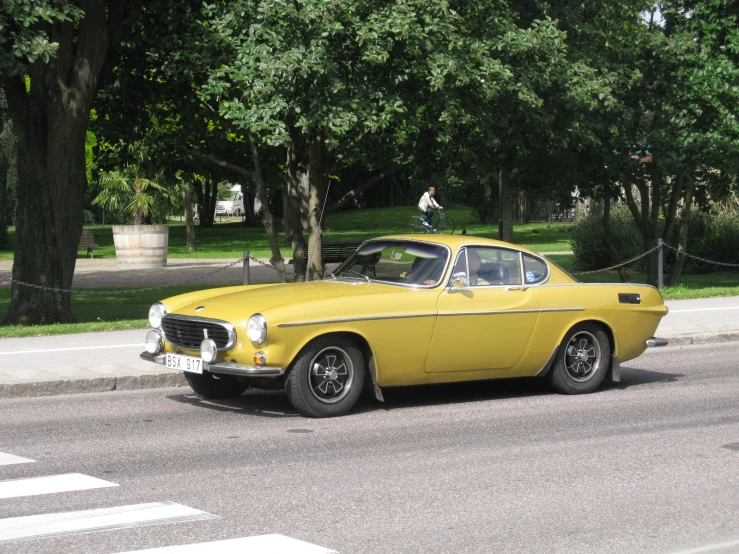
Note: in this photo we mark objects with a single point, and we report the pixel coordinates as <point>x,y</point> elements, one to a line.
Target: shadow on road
<point>274,404</point>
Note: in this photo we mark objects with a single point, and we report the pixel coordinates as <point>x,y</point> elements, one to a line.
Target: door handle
<point>516,288</point>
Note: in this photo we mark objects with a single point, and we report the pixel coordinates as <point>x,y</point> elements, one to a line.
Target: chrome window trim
<point>579,284</point>
<point>230,329</point>
<point>404,285</point>
<point>490,247</point>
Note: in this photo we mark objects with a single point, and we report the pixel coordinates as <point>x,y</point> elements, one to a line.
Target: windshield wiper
<point>356,274</point>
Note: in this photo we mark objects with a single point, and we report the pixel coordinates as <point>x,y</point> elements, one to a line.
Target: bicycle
<point>443,224</point>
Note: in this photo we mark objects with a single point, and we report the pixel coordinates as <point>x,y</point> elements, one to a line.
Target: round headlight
<point>156,313</point>
<point>256,328</point>
<point>208,350</point>
<point>153,342</point>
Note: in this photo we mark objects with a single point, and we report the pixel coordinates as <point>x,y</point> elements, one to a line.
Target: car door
<point>488,323</point>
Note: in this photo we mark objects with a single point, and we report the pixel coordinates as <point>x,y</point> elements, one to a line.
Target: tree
<point>51,60</point>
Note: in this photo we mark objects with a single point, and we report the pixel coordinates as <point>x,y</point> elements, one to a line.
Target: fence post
<point>660,263</point>
<point>246,267</point>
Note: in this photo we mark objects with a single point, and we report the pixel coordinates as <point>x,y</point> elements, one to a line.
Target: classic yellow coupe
<point>405,310</point>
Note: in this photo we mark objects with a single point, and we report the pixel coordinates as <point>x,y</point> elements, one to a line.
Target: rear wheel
<point>582,360</point>
<point>215,387</point>
<point>415,225</point>
<point>327,378</point>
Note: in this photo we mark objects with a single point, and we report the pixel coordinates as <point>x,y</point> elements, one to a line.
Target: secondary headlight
<point>208,350</point>
<point>153,342</point>
<point>256,328</point>
<point>156,313</point>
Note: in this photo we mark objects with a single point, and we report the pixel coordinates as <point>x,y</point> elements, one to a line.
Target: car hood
<point>261,298</point>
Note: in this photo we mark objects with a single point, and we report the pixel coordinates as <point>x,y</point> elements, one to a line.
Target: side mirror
<point>459,281</point>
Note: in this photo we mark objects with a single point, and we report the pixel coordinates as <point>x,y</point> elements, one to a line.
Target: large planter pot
<point>141,246</point>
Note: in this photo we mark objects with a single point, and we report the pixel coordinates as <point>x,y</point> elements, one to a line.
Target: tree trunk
<point>276,260</point>
<point>677,267</point>
<point>317,179</point>
<point>207,193</point>
<point>51,120</point>
<point>189,223</point>
<point>509,199</point>
<point>8,158</point>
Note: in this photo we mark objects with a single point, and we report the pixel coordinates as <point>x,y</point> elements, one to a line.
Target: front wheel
<point>582,360</point>
<point>445,225</point>
<point>327,378</point>
<point>215,387</point>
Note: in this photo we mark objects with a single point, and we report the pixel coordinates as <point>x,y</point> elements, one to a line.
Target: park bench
<point>336,252</point>
<point>87,242</point>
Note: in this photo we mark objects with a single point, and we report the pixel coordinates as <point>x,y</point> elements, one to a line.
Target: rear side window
<point>535,270</point>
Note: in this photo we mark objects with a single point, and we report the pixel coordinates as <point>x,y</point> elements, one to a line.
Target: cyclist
<point>428,205</point>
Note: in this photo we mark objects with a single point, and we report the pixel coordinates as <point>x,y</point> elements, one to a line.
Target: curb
<point>703,338</point>
<point>97,384</point>
<point>176,379</point>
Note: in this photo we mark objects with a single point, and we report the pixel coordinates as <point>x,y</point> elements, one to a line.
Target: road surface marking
<point>76,348</point>
<point>34,486</point>
<point>704,309</point>
<point>724,547</point>
<point>9,459</point>
<point>261,544</point>
<point>102,519</point>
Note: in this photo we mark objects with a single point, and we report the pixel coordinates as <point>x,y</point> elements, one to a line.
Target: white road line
<point>720,548</point>
<point>102,519</point>
<point>9,459</point>
<point>34,486</point>
<point>704,309</point>
<point>262,544</point>
<point>76,348</point>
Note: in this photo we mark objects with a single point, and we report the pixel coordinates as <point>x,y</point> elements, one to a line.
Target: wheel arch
<point>600,323</point>
<point>360,341</point>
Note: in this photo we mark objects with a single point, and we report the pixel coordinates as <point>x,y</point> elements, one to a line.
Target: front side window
<point>401,262</point>
<point>493,266</point>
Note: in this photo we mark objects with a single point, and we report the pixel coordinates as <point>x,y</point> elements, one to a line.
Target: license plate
<point>184,363</point>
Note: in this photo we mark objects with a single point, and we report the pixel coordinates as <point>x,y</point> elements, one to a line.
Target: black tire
<point>327,377</point>
<point>215,387</point>
<point>415,225</point>
<point>581,361</point>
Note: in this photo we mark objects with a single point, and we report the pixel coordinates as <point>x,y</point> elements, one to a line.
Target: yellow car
<point>405,310</point>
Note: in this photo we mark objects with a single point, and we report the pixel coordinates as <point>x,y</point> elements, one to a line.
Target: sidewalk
<point>97,362</point>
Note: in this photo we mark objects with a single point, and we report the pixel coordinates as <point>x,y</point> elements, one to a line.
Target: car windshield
<point>402,262</point>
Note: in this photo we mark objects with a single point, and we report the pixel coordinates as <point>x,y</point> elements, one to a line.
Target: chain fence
<point>138,290</point>
<point>626,263</point>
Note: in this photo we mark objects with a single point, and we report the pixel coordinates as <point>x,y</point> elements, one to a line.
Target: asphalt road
<point>650,465</point>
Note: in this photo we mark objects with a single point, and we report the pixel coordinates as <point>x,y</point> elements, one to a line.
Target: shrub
<point>88,218</point>
<point>589,240</point>
<point>714,236</point>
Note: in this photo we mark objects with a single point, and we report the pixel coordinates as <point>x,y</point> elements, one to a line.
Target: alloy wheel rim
<point>331,375</point>
<point>582,356</point>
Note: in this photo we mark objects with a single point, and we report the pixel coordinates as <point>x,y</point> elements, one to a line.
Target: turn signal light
<point>260,359</point>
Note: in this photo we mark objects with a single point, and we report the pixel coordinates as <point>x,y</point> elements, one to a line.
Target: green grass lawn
<point>690,286</point>
<point>229,239</point>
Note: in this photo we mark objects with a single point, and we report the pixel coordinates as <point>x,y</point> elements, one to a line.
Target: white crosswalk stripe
<point>9,459</point>
<point>261,544</point>
<point>102,519</point>
<point>49,484</point>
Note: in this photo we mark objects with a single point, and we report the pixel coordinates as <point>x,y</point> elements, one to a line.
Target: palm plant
<point>129,189</point>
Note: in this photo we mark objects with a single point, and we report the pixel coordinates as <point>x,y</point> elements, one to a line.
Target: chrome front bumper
<point>225,368</point>
<point>654,341</point>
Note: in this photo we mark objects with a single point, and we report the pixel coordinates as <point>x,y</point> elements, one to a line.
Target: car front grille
<point>188,332</point>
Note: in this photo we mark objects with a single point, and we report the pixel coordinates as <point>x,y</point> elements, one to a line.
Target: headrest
<point>494,273</point>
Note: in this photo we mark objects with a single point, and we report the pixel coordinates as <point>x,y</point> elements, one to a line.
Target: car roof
<point>457,241</point>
